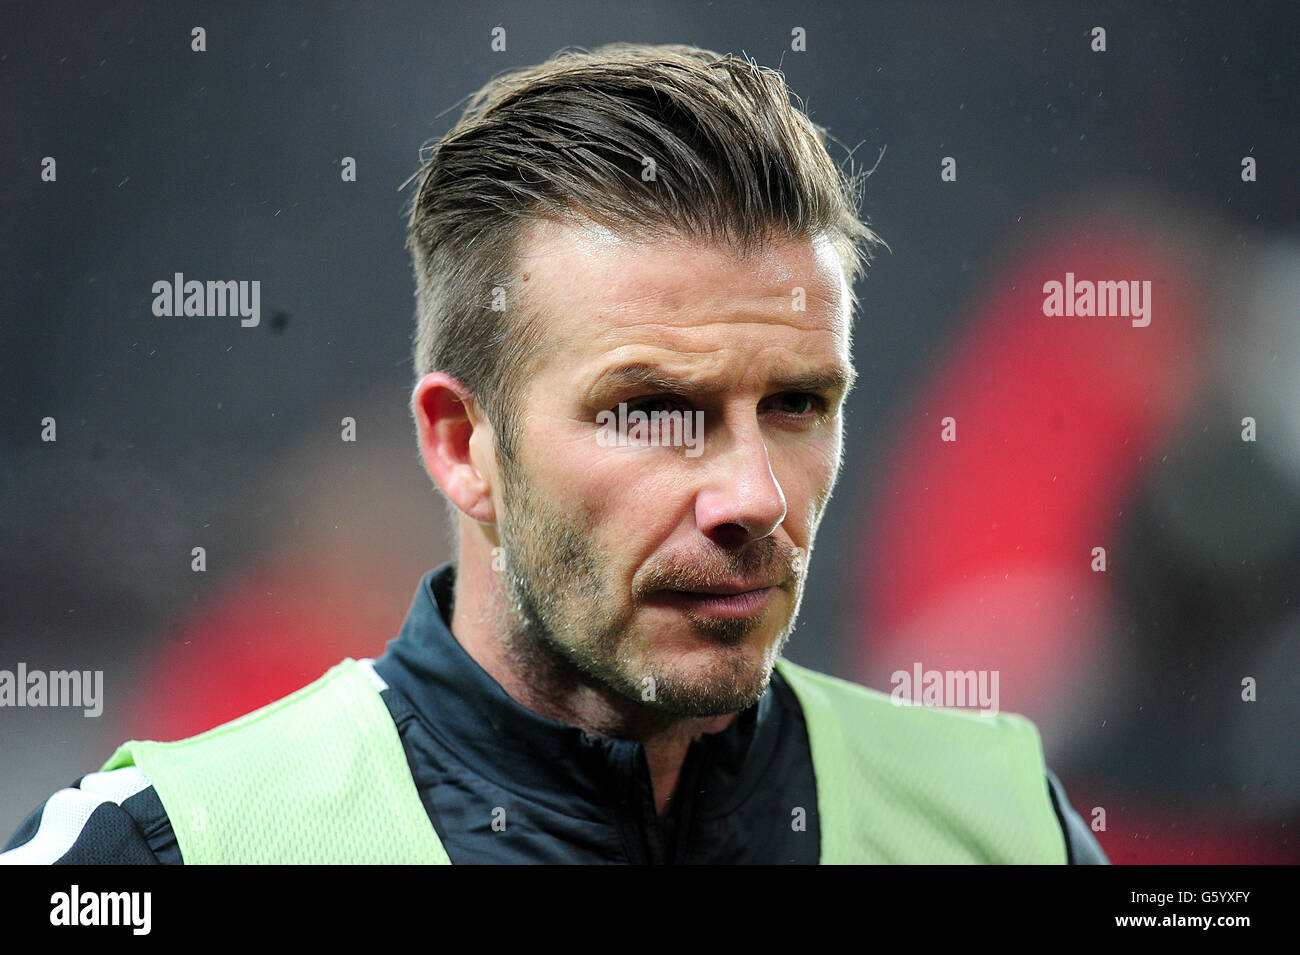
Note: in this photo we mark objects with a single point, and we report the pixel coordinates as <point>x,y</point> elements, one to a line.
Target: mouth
<point>727,602</point>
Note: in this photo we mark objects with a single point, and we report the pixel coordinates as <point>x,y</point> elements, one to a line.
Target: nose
<point>742,500</point>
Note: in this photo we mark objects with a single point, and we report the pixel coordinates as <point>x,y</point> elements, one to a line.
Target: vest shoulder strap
<point>317,777</point>
<point>905,784</point>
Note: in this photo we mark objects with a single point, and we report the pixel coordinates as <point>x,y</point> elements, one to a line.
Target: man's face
<point>672,573</point>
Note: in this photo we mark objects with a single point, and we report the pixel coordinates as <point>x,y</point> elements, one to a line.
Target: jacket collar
<point>521,750</point>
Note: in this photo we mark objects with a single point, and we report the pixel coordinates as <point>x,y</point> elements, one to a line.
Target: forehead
<point>597,290</point>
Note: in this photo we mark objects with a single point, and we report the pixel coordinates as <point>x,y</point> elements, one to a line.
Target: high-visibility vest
<point>320,777</point>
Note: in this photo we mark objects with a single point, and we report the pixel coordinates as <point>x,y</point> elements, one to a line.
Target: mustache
<point>766,561</point>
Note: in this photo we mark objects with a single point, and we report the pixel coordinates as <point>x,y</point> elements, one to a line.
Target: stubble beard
<point>566,625</point>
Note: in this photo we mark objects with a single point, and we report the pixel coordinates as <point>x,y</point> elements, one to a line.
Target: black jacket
<point>503,784</point>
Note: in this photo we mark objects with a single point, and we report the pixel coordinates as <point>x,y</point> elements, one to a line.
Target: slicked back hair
<point>734,162</point>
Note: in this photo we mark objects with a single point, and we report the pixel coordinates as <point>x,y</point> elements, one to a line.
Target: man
<point>634,275</point>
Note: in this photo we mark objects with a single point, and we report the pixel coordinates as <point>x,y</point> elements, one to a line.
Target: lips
<point>738,601</point>
<point>728,590</point>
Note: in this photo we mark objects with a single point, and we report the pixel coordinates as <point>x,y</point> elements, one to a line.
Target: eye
<point>800,404</point>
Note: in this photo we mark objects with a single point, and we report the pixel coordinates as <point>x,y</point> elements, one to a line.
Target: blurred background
<point>1072,433</point>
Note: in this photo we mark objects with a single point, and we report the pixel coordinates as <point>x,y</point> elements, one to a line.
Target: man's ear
<point>446,418</point>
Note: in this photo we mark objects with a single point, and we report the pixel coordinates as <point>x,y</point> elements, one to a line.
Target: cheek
<point>807,475</point>
<point>604,490</point>
<point>631,499</point>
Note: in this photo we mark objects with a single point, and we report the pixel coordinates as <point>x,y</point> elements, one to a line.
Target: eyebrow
<point>837,379</point>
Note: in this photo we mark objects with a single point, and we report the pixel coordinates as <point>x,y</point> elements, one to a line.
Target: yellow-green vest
<point>320,777</point>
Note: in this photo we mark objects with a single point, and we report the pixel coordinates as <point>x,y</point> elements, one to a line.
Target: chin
<point>713,681</point>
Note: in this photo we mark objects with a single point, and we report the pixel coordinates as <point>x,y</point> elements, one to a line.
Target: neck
<point>534,677</point>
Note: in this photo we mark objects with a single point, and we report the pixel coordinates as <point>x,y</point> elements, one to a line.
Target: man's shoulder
<point>871,732</point>
<point>895,736</point>
<point>853,701</point>
<point>318,776</point>
<point>104,818</point>
<point>267,726</point>
<point>117,815</point>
